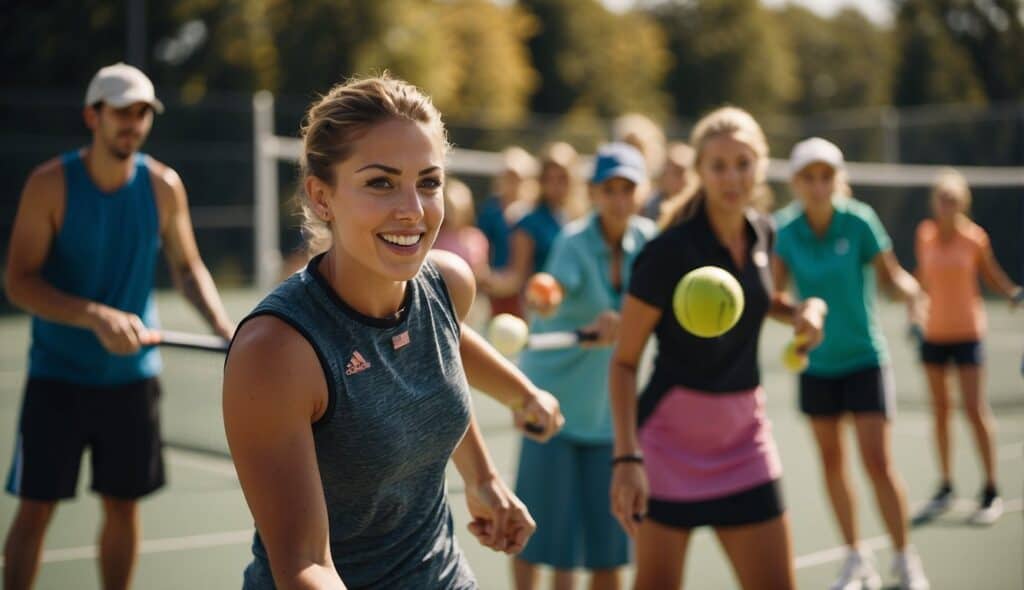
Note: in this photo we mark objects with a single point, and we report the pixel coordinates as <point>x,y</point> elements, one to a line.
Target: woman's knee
<point>833,458</point>
<point>977,411</point>
<point>877,464</point>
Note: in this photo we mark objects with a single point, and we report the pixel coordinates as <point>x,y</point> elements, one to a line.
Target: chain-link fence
<point>210,144</point>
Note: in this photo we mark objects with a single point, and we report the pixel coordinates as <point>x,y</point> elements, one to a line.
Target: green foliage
<point>467,54</point>
<point>992,33</point>
<point>63,43</point>
<point>988,36</point>
<point>592,61</point>
<point>843,62</point>
<point>932,67</point>
<point>491,63</point>
<point>321,42</point>
<point>726,51</point>
<point>492,78</point>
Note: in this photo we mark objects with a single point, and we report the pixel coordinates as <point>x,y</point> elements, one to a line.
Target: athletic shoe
<point>907,567</point>
<point>858,572</point>
<point>940,502</point>
<point>990,508</point>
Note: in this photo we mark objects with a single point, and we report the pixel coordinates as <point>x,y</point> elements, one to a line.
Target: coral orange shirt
<point>948,269</point>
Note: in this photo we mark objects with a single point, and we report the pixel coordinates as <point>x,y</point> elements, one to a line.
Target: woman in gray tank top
<point>346,390</point>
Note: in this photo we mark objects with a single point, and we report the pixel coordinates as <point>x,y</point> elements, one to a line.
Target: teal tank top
<point>105,251</point>
<point>398,405</point>
<point>542,225</point>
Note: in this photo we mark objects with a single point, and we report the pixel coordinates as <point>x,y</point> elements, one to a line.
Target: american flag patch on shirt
<point>400,340</point>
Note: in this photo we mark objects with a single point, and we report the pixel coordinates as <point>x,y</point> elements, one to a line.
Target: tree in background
<point>992,33</point>
<point>843,62</point>
<point>593,62</point>
<point>62,44</point>
<point>467,54</point>
<point>726,51</point>
<point>212,45</point>
<point>322,42</point>
<point>492,78</point>
<point>491,63</point>
<point>932,67</point>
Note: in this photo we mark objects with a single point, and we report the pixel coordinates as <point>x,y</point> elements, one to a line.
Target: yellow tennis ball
<point>794,361</point>
<point>708,301</point>
<point>508,334</point>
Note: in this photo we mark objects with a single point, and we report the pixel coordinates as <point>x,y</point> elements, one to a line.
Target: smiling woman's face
<point>386,204</point>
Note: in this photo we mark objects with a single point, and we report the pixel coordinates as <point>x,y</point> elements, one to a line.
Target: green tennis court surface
<point>198,529</point>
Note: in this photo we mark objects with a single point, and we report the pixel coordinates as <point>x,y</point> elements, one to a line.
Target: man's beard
<point>121,154</point>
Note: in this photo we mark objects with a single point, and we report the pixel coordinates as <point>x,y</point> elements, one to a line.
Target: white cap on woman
<point>813,150</point>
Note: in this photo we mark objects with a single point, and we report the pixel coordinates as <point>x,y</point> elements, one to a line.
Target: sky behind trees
<point>879,11</point>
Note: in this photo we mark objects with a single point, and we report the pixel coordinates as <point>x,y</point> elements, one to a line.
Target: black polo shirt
<point>724,364</point>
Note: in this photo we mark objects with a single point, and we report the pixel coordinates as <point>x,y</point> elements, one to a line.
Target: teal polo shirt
<point>580,260</point>
<point>837,267</point>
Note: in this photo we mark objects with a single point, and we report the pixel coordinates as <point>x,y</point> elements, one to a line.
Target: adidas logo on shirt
<point>356,364</point>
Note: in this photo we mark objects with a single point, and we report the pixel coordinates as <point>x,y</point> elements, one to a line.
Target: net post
<point>266,247</point>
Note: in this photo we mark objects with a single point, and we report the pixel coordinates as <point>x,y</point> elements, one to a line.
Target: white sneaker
<point>989,511</point>
<point>858,572</point>
<point>940,502</point>
<point>907,567</point>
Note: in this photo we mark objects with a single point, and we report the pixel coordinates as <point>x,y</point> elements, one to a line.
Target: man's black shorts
<point>119,424</point>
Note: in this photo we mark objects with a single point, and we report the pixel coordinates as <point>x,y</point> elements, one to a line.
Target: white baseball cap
<point>813,150</point>
<point>121,85</point>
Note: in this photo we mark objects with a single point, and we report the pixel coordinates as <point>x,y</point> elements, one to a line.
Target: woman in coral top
<point>951,252</point>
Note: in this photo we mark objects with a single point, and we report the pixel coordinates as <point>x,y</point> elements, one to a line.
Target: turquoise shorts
<point>565,486</point>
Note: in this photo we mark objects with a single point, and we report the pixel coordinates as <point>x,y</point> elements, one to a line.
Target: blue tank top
<point>542,225</point>
<point>105,251</point>
<point>398,405</point>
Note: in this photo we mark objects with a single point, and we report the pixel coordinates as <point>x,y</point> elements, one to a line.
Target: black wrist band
<point>634,458</point>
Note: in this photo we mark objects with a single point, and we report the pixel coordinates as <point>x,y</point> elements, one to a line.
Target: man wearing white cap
<point>81,261</point>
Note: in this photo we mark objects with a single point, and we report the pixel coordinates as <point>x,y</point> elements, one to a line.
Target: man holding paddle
<point>81,261</point>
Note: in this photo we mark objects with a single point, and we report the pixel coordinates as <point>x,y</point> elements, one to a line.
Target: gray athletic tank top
<point>398,405</point>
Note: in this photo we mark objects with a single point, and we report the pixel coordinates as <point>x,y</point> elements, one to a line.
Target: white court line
<point>882,541</point>
<point>154,545</point>
<point>837,553</point>
<point>925,429</point>
<point>244,536</point>
<point>226,468</point>
<point>198,461</point>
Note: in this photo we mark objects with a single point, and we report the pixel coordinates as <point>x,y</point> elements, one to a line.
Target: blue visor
<point>619,160</point>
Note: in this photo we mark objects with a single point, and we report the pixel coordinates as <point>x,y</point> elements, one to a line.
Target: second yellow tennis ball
<point>792,360</point>
<point>708,301</point>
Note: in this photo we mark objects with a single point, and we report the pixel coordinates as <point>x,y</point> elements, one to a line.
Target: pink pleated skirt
<point>701,446</point>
